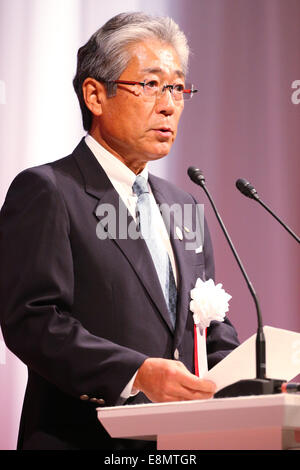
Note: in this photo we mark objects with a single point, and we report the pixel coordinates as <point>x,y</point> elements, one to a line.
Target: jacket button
<point>100,401</point>
<point>176,354</point>
<point>84,397</point>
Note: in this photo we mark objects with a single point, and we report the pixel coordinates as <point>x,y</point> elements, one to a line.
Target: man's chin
<point>157,156</point>
<point>160,152</point>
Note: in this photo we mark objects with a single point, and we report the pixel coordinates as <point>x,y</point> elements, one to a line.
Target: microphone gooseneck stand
<point>261,385</point>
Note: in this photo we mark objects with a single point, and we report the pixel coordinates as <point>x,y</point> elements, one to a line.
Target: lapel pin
<point>179,233</point>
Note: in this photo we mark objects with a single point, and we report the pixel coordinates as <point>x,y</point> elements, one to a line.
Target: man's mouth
<point>166,131</point>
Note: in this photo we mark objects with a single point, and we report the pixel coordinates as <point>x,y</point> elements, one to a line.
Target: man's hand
<point>164,380</point>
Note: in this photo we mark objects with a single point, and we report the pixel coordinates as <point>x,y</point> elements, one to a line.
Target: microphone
<point>261,385</point>
<point>248,190</point>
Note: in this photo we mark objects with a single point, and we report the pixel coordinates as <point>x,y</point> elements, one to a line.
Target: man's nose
<point>165,102</point>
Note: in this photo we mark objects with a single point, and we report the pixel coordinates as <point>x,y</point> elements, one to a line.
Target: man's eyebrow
<point>179,73</point>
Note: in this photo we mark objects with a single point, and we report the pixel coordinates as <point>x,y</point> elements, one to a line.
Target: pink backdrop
<point>243,123</point>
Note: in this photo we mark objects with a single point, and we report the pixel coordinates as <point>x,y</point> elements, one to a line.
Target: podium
<point>268,422</point>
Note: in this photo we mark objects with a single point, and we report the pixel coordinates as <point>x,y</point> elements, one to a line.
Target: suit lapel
<point>98,185</point>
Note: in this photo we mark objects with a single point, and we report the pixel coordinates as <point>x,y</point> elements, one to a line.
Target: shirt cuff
<point>129,391</point>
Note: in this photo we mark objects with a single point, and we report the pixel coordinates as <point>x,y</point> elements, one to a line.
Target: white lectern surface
<point>254,422</point>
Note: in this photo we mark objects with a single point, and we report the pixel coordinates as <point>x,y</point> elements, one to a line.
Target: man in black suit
<point>81,304</point>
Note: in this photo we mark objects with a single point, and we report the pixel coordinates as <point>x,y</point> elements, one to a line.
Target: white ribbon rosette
<point>209,302</point>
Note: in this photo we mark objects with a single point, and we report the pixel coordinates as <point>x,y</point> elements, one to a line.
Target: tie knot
<point>140,186</point>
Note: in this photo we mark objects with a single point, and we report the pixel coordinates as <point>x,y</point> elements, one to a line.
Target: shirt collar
<point>116,170</point>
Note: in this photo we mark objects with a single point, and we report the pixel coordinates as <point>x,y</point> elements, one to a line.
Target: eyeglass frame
<point>189,92</point>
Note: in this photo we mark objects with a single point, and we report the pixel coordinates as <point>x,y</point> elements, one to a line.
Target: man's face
<point>138,128</point>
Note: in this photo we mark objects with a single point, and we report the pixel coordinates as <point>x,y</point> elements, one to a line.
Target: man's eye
<point>151,84</point>
<point>179,88</point>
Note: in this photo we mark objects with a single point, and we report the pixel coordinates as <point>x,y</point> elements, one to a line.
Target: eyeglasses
<point>152,89</point>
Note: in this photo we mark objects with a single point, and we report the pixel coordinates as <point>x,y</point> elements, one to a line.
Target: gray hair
<point>105,56</point>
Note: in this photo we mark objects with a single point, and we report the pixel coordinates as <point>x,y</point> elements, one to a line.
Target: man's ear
<point>94,93</point>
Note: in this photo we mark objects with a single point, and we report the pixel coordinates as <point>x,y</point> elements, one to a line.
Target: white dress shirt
<point>122,179</point>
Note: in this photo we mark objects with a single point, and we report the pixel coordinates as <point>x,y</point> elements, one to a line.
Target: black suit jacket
<point>83,313</point>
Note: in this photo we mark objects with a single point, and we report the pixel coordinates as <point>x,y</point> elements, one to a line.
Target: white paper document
<point>282,359</point>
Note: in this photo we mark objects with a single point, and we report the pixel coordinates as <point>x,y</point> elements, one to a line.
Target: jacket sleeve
<point>36,296</point>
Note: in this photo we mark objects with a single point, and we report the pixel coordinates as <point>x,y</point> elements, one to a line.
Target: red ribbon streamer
<point>196,349</point>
